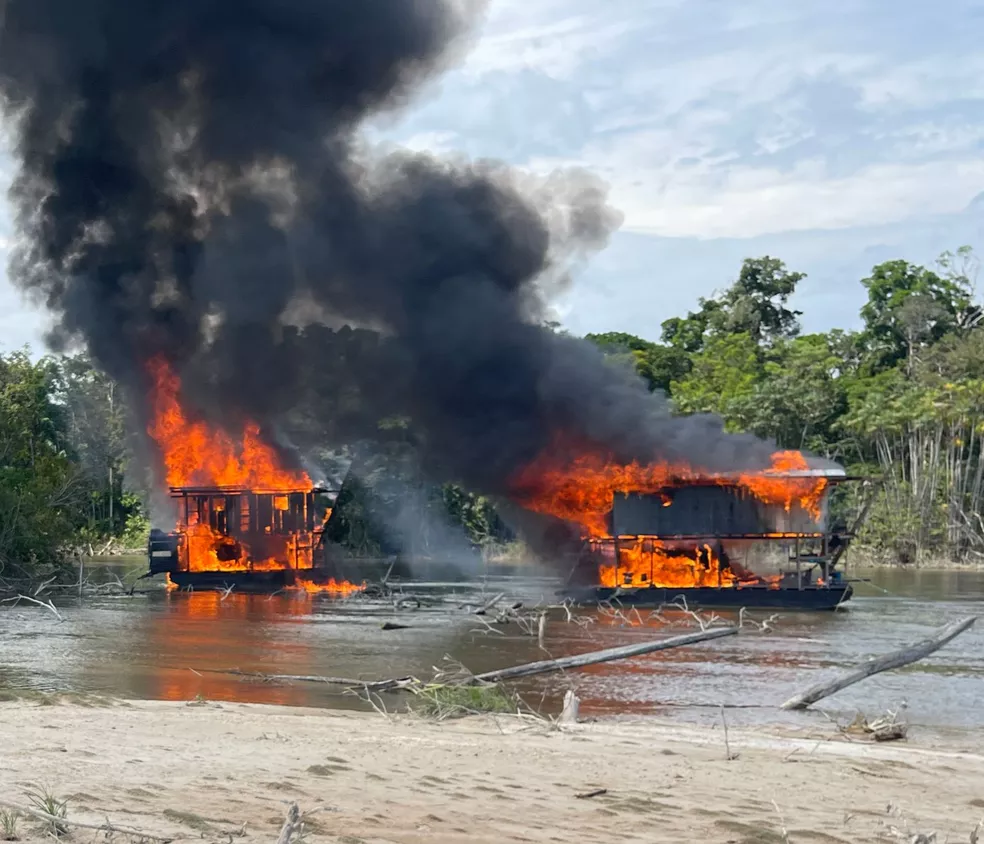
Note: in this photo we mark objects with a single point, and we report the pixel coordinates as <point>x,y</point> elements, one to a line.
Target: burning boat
<point>240,518</point>
<point>247,538</point>
<point>655,534</point>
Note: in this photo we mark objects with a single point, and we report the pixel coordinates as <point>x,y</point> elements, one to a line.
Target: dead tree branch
<point>46,604</point>
<point>896,659</point>
<point>292,823</point>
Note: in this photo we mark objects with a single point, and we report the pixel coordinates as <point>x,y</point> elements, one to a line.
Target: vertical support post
<point>799,574</point>
<point>618,562</point>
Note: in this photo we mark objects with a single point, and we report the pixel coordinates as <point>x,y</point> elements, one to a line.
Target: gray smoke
<point>193,182</point>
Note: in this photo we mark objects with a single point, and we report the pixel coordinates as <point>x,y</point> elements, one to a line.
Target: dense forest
<point>901,398</point>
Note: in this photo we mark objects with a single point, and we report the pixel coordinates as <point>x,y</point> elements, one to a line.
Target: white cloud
<point>750,202</point>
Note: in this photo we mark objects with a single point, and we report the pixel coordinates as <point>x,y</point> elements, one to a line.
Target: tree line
<point>900,398</point>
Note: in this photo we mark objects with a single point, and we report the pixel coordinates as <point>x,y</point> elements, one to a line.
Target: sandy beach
<point>202,770</point>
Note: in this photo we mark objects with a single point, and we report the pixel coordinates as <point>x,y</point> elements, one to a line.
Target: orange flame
<point>581,489</point>
<point>330,587</point>
<point>646,561</point>
<point>210,550</point>
<point>195,454</point>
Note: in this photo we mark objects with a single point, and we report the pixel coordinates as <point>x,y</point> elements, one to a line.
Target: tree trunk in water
<point>896,659</point>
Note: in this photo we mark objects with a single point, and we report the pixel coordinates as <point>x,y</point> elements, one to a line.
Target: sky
<point>833,134</point>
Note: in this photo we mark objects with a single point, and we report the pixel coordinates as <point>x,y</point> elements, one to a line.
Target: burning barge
<point>241,518</point>
<point>250,540</point>
<point>699,541</point>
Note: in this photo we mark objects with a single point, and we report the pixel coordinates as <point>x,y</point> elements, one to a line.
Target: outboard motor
<point>162,551</point>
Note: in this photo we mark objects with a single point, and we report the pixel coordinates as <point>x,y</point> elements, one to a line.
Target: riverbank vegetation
<point>900,397</point>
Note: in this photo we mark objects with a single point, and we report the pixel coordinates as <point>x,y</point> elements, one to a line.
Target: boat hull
<point>750,597</point>
<point>254,581</point>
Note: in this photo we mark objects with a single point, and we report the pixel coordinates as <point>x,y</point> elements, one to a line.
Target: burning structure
<point>241,518</point>
<point>653,534</point>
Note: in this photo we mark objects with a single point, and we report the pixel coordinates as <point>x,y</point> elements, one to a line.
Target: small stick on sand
<point>896,659</point>
<point>727,745</point>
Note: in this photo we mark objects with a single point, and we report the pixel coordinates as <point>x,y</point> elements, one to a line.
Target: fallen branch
<point>607,655</point>
<point>349,682</point>
<point>46,604</point>
<point>291,824</point>
<point>587,795</point>
<point>489,604</point>
<point>896,659</point>
<point>101,827</point>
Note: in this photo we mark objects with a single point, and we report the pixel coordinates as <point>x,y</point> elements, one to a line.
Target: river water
<point>166,646</point>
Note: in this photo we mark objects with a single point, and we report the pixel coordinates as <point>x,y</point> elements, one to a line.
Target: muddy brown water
<point>164,646</point>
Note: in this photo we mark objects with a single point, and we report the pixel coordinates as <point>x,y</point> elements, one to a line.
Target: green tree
<point>756,304</point>
<point>909,308</point>
<point>722,380</point>
<point>96,430</point>
<point>802,393</point>
<point>38,483</point>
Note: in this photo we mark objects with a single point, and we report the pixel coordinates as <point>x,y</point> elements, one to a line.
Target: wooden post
<point>896,659</point>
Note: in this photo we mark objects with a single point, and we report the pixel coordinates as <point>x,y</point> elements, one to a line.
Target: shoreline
<point>201,770</point>
<point>935,565</point>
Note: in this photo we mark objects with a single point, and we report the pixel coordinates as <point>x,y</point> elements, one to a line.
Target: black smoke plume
<point>194,182</point>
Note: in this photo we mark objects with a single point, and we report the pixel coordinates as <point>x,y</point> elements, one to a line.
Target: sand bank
<point>203,770</point>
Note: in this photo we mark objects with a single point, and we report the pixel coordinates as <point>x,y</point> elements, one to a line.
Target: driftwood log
<point>607,655</point>
<point>896,659</point>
